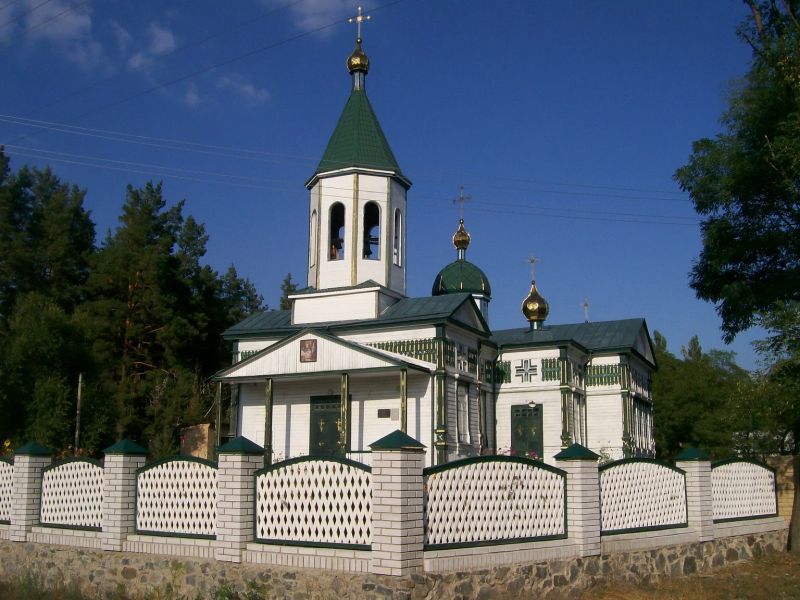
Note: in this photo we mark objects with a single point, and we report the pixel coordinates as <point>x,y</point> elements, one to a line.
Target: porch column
<point>344,430</point>
<point>218,400</point>
<point>234,426</point>
<point>268,422</point>
<point>404,400</point>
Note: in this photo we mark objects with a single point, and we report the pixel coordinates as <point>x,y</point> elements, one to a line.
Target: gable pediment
<point>310,352</point>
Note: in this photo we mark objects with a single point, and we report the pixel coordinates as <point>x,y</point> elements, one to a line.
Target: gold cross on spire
<point>461,200</point>
<point>533,260</point>
<point>585,305</point>
<point>358,19</point>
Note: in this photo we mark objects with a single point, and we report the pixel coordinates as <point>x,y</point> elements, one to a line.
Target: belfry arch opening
<point>372,231</point>
<point>337,232</point>
<point>397,249</point>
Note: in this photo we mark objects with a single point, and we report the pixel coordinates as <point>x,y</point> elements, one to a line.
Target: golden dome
<point>535,307</point>
<point>461,238</point>
<point>358,61</point>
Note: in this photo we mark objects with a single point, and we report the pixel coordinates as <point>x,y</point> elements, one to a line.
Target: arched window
<point>397,249</point>
<point>312,240</point>
<point>336,237</point>
<point>372,231</point>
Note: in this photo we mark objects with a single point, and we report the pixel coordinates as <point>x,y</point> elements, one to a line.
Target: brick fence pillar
<point>583,497</point>
<point>397,511</point>
<point>119,492</point>
<point>26,499</point>
<point>699,498</point>
<point>238,460</point>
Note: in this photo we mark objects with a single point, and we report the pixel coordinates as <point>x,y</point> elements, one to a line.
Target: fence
<point>6,485</point>
<point>392,518</point>
<point>493,500</point>
<point>641,494</point>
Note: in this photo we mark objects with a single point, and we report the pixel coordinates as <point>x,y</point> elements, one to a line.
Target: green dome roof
<point>461,276</point>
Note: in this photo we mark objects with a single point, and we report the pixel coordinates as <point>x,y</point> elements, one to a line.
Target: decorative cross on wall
<point>526,370</point>
<point>358,19</point>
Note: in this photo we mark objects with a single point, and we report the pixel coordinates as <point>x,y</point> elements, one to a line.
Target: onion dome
<point>461,238</point>
<point>461,275</point>
<point>358,61</point>
<point>535,307</point>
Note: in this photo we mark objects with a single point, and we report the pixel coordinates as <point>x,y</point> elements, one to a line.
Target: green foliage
<point>140,317</point>
<point>700,400</point>
<point>746,181</point>
<point>287,288</point>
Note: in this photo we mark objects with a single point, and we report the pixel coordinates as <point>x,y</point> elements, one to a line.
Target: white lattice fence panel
<point>314,501</point>
<point>742,489</point>
<point>493,500</point>
<point>72,495</point>
<point>177,496</point>
<point>6,488</point>
<point>639,494</point>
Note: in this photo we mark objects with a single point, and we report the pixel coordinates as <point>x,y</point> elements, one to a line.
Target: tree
<point>701,399</point>
<point>287,288</point>
<point>746,182</point>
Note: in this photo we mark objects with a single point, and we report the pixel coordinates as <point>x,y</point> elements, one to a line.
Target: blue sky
<point>563,120</point>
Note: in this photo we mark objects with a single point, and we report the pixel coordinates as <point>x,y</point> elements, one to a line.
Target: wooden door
<point>326,424</point>
<point>526,431</point>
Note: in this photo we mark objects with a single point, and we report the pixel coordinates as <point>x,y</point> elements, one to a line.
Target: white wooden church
<point>355,358</point>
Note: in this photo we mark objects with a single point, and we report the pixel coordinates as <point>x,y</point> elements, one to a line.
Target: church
<point>355,358</point>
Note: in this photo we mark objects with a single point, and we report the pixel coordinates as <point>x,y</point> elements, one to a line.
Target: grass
<point>773,577</point>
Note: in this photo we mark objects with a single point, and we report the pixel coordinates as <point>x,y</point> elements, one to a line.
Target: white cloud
<point>122,36</point>
<point>161,41</point>
<point>192,97</point>
<point>65,27</point>
<point>242,88</point>
<point>312,14</point>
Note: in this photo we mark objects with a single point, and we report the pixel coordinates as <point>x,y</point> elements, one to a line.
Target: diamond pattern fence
<point>638,494</point>
<point>493,499</point>
<point>742,489</point>
<point>6,488</point>
<point>177,496</point>
<point>72,494</point>
<point>316,502</point>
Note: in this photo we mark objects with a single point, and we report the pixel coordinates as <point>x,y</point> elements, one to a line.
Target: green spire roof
<point>358,141</point>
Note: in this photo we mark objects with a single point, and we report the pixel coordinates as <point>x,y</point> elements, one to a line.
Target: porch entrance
<point>326,425</point>
<point>526,431</point>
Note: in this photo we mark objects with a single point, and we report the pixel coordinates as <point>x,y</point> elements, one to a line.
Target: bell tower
<point>357,210</point>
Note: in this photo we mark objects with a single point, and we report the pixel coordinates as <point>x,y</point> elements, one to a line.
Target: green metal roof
<point>358,140</point>
<point>461,276</point>
<point>592,336</point>
<point>406,310</point>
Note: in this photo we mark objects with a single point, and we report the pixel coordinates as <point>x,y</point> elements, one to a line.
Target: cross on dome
<point>358,19</point>
<point>533,260</point>
<point>461,200</point>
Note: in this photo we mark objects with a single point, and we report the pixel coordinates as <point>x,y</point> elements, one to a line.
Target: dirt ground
<point>774,577</point>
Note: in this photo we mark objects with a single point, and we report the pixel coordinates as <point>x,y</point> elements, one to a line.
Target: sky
<point>564,121</point>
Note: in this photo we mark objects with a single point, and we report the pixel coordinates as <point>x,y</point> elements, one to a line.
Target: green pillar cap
<point>126,446</point>
<point>692,454</point>
<point>33,449</point>
<point>576,452</point>
<point>240,445</point>
<point>397,440</point>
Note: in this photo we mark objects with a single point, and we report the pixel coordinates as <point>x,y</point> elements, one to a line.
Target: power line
<point>55,17</point>
<point>235,152</point>
<point>219,64</point>
<point>25,14</point>
<point>156,59</point>
<point>243,181</point>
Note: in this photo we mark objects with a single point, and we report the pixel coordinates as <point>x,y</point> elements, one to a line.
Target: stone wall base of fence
<point>99,572</point>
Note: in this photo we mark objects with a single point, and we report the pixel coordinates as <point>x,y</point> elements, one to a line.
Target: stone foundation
<point>98,572</point>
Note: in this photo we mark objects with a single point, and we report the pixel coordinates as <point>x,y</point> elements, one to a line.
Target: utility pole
<point>78,415</point>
